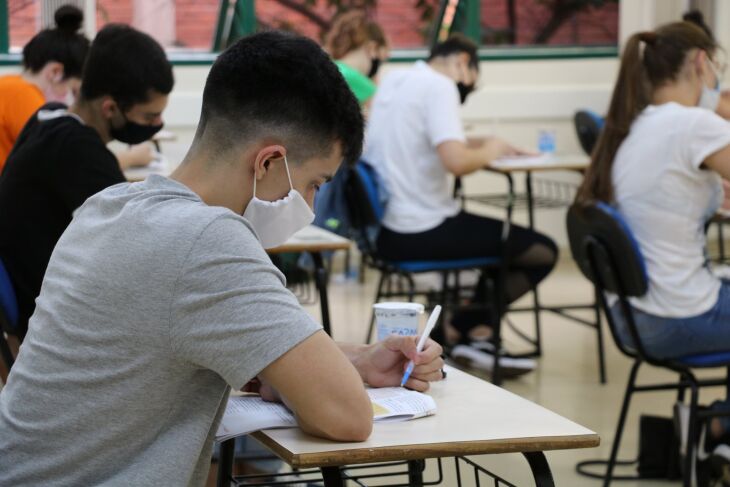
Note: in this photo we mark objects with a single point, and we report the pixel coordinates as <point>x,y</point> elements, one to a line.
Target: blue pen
<point>422,341</point>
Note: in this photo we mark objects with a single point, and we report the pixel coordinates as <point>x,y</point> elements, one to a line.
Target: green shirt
<point>362,86</point>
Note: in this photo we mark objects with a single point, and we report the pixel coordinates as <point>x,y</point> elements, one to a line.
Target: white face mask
<point>710,97</point>
<point>276,221</point>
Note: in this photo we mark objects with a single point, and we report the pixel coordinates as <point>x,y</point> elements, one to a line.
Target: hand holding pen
<point>422,341</point>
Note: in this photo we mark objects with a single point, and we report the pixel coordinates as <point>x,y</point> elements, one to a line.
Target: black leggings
<point>532,254</point>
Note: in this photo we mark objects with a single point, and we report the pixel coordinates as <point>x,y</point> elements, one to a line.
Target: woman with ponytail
<point>660,162</point>
<point>52,64</point>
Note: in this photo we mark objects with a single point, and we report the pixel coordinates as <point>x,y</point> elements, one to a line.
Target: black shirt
<point>55,165</point>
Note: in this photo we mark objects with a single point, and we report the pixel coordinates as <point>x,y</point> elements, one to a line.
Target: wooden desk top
<point>312,239</point>
<point>722,215</point>
<point>474,417</point>
<point>558,163</point>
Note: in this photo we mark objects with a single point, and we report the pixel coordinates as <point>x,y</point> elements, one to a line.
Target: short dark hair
<point>279,84</point>
<point>127,65</point>
<point>62,44</point>
<point>455,44</point>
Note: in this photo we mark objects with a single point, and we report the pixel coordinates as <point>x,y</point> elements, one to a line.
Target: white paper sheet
<point>245,414</point>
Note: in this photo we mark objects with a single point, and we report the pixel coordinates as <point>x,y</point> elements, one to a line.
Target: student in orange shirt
<point>52,63</point>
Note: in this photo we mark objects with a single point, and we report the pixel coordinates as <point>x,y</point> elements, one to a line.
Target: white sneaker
<point>720,462</point>
<point>681,424</point>
<point>482,360</point>
<point>681,418</point>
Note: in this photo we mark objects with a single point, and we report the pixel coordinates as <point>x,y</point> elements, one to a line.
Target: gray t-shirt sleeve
<point>231,311</point>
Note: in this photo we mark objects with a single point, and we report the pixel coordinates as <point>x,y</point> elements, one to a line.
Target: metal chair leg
<point>621,422</point>
<point>689,478</point>
<point>601,351</point>
<point>411,288</point>
<point>225,463</point>
<point>378,294</point>
<point>494,298</point>
<point>444,287</point>
<point>721,240</point>
<point>681,389</point>
<point>536,312</point>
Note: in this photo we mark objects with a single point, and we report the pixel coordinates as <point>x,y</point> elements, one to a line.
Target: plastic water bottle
<point>546,141</point>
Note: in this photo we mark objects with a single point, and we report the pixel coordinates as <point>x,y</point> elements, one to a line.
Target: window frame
<point>244,23</point>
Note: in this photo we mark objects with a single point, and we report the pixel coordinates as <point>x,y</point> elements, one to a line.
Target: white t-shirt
<point>666,199</point>
<point>414,110</point>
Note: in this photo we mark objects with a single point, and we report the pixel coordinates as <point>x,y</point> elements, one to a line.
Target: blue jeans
<point>679,337</point>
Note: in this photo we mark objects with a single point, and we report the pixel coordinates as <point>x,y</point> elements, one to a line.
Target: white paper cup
<point>395,318</point>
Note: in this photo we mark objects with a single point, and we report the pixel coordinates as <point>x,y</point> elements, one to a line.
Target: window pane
<point>23,20</point>
<point>190,24</point>
<point>553,22</point>
<point>176,24</point>
<point>406,22</point>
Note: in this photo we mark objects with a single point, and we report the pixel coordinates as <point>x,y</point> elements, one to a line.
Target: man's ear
<point>108,107</point>
<point>262,161</point>
<point>53,72</point>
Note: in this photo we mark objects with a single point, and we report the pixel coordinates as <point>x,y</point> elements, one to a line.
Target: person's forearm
<point>339,434</point>
<point>125,158</point>
<point>475,159</point>
<point>460,159</point>
<point>355,354</point>
<point>320,385</point>
<point>475,142</point>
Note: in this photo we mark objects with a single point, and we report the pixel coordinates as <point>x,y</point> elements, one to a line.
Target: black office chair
<point>588,127</point>
<point>8,315</point>
<point>366,211</point>
<point>607,254</point>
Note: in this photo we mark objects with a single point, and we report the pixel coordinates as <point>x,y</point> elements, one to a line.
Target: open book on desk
<point>245,414</point>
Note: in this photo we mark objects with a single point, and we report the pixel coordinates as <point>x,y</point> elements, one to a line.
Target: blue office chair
<point>8,315</point>
<point>608,255</point>
<point>366,211</point>
<point>588,125</point>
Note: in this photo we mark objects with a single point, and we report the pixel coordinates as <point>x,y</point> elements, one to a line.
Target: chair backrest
<point>608,255</point>
<point>605,249</point>
<point>8,302</point>
<point>588,126</point>
<point>371,185</point>
<point>364,197</point>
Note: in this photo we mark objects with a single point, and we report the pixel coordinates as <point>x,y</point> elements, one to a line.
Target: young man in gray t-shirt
<point>160,297</point>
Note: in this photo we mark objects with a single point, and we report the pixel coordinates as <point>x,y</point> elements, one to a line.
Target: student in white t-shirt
<point>660,161</point>
<point>416,142</point>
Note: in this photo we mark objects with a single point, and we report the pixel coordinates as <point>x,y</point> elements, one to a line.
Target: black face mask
<point>374,66</point>
<point>464,90</point>
<point>134,133</point>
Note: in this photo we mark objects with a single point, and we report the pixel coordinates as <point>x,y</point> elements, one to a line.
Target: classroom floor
<point>566,380</point>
